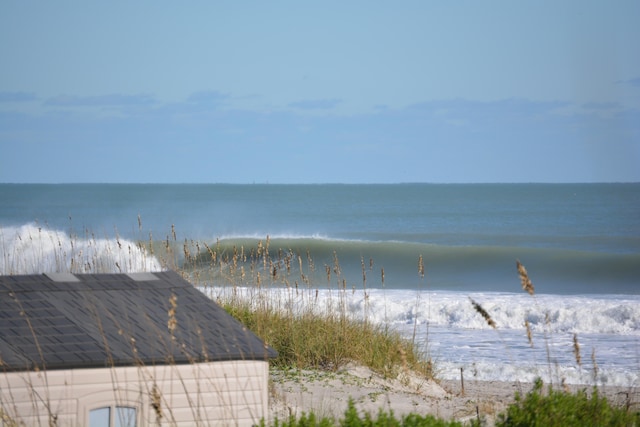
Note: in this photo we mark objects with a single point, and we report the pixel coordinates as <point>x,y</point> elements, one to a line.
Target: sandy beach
<point>327,394</point>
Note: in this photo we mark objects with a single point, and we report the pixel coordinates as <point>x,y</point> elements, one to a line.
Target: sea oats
<point>483,313</point>
<point>576,350</point>
<point>185,249</point>
<point>336,264</point>
<point>172,322</point>
<point>156,403</point>
<point>529,334</point>
<point>524,279</point>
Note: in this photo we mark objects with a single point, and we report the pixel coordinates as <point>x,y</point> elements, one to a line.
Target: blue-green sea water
<point>579,242</point>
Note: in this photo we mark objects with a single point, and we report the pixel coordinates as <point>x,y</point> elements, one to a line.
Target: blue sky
<point>309,92</point>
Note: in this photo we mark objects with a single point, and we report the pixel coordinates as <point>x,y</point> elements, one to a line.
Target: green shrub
<point>557,408</point>
<point>353,419</point>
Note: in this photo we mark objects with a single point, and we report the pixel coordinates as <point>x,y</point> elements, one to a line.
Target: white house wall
<point>232,393</point>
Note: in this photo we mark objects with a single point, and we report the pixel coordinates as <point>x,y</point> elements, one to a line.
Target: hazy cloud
<point>478,110</point>
<point>17,96</point>
<point>316,104</point>
<point>601,105</point>
<point>208,97</point>
<point>632,82</point>
<point>111,100</point>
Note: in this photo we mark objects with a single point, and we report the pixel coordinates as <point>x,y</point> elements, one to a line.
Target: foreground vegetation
<point>536,409</point>
<point>353,419</point>
<point>558,408</point>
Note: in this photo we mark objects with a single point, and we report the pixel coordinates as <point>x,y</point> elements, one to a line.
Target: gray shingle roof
<point>60,321</point>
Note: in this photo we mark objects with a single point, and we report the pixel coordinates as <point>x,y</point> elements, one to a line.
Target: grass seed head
<point>484,314</point>
<point>529,333</point>
<point>576,350</point>
<point>156,403</point>
<point>172,322</point>
<point>524,279</point>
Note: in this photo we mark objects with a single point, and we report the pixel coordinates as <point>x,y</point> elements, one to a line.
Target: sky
<point>319,92</point>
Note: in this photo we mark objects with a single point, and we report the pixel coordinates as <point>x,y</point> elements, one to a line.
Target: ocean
<point>579,242</point>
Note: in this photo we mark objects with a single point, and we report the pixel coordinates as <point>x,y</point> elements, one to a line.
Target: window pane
<point>125,417</point>
<point>99,417</point>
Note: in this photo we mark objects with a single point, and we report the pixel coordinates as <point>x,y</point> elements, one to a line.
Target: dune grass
<point>316,341</point>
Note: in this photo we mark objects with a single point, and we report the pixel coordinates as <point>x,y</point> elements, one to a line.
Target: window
<point>113,416</point>
<point>112,407</point>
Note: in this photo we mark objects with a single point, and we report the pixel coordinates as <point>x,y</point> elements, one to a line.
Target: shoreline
<point>325,393</point>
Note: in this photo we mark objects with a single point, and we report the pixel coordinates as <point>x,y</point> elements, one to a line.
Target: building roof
<point>62,321</point>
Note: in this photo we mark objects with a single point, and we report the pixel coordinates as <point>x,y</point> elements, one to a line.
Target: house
<point>121,350</point>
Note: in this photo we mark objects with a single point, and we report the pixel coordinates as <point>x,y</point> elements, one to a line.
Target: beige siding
<point>230,393</point>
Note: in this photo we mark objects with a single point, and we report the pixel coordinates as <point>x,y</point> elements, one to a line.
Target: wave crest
<point>31,249</point>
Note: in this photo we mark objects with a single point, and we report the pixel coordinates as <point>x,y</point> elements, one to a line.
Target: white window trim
<point>112,398</point>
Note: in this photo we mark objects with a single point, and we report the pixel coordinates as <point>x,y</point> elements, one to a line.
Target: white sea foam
<point>594,314</point>
<point>448,329</point>
<point>527,373</point>
<point>31,249</point>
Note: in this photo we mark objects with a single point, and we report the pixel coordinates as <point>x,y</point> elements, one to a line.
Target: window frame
<point>113,399</point>
<point>113,415</point>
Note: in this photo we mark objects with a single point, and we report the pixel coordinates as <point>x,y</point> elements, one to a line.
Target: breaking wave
<point>31,249</point>
<point>463,268</point>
